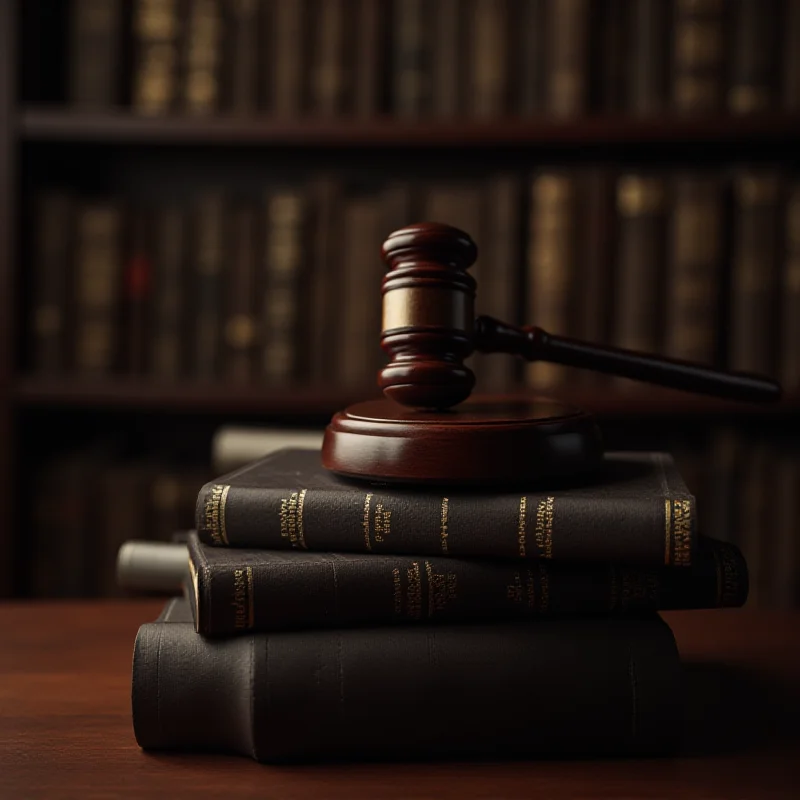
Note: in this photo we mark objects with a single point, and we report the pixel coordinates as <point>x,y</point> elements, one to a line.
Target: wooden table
<point>65,727</point>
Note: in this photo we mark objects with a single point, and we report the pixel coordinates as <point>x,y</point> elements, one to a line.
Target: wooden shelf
<point>60,124</point>
<point>322,401</point>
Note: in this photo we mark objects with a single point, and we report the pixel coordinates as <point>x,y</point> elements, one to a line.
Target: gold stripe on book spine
<point>667,530</point>
<point>214,513</point>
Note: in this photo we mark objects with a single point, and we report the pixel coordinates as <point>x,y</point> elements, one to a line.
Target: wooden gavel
<point>429,328</point>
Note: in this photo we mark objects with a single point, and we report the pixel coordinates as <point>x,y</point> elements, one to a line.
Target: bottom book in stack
<point>301,656</point>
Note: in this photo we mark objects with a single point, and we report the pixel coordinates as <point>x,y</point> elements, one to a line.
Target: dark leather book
<point>640,263</point>
<point>95,44</point>
<point>207,254</point>
<point>790,295</point>
<point>755,270</point>
<point>331,51</point>
<point>54,220</point>
<point>791,56</point>
<point>528,51</point>
<point>488,48</point>
<point>448,23</point>
<point>284,270</point>
<point>239,327</point>
<point>98,276</point>
<point>637,510</point>
<point>137,293</point>
<point>566,90</point>
<point>412,59</point>
<point>156,29</point>
<point>237,590</point>
<point>647,56</point>
<point>565,688</point>
<point>551,265</point>
<point>167,318</point>
<point>754,56</point>
<point>694,267</point>
<point>240,60</point>
<point>202,57</point>
<point>369,57</point>
<point>698,56</point>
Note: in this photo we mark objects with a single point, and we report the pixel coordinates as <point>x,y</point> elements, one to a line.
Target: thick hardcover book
<point>507,690</point>
<point>637,510</point>
<point>235,590</point>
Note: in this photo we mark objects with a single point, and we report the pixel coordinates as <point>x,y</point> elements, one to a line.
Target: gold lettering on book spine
<point>214,513</point>
<point>291,518</point>
<point>522,525</point>
<point>682,532</point>
<point>545,512</point>
<point>398,592</point>
<point>414,591</point>
<point>667,531</point>
<point>443,533</point>
<point>365,521</point>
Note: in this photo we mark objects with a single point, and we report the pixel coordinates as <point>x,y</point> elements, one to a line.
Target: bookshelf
<point>57,125</point>
<point>36,132</point>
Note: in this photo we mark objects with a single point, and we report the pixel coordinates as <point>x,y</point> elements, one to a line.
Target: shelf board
<point>61,124</point>
<point>125,394</point>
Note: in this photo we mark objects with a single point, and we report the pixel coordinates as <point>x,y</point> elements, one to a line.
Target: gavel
<point>429,329</point>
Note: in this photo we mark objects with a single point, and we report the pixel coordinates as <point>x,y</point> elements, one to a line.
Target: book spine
<point>170,236</point>
<point>260,591</point>
<point>654,530</point>
<point>242,55</point>
<point>488,67</point>
<point>754,271</point>
<point>202,57</point>
<point>641,206</point>
<point>207,263</point>
<point>54,224</point>
<point>98,273</point>
<point>648,56</point>
<point>698,56</point>
<point>369,58</point>
<point>694,270</point>
<point>790,296</point>
<point>327,77</point>
<point>239,331</point>
<point>754,52</point>
<point>155,24</point>
<point>286,75</point>
<point>567,47</point>
<point>533,690</point>
<point>96,30</point>
<point>551,265</point>
<point>411,59</point>
<point>138,284</point>
<point>448,21</point>
<point>284,267</point>
<point>360,324</point>
<point>791,56</point>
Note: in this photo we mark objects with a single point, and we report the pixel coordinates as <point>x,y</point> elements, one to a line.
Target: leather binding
<point>506,690</point>
<point>236,591</point>
<point>637,511</point>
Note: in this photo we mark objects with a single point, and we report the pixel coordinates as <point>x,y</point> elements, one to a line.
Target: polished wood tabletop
<point>65,723</point>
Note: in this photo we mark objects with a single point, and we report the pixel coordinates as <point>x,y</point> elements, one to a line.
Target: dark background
<point>401,111</point>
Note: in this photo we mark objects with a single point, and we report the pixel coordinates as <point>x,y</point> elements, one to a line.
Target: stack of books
<point>327,619</point>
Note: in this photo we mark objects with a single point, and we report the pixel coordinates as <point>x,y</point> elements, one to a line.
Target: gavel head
<point>428,316</point>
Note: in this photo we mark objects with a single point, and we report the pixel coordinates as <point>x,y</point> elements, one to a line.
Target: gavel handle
<point>534,344</point>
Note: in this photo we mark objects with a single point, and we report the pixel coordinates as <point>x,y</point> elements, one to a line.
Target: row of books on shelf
<point>284,289</point>
<point>469,58</point>
<point>87,503</point>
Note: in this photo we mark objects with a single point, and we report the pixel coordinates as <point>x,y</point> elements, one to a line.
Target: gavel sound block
<point>429,430</point>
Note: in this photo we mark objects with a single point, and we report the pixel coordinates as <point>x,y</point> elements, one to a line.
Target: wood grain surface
<point>65,727</point>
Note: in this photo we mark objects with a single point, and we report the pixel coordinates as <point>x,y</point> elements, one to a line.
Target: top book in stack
<point>637,510</point>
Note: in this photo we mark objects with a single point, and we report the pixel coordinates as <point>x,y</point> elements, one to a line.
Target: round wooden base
<point>485,441</point>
